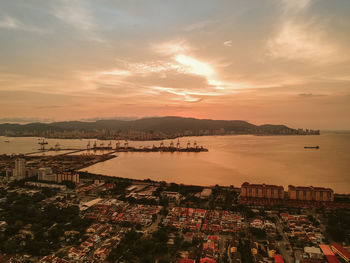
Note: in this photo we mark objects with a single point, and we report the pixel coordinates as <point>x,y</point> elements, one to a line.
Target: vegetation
<point>157,128</point>
<point>135,248</point>
<point>244,248</point>
<point>36,229</point>
<point>338,227</point>
<point>258,233</point>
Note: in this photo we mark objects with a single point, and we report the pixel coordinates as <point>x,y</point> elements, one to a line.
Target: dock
<point>119,147</point>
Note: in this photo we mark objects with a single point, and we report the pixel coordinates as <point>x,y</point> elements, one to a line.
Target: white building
<point>206,193</point>
<point>20,169</point>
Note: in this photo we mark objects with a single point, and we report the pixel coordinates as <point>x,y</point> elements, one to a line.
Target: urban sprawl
<point>52,212</point>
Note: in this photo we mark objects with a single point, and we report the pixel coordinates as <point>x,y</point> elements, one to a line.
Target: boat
<point>312,147</point>
<point>6,141</point>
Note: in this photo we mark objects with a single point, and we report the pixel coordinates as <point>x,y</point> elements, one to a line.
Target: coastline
<point>88,175</point>
<point>149,139</point>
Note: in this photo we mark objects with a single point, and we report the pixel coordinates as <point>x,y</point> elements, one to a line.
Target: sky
<point>263,61</point>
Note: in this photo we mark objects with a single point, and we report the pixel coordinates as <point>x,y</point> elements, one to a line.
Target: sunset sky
<point>264,61</point>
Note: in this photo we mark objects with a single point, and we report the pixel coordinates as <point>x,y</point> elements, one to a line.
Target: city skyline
<point>276,61</point>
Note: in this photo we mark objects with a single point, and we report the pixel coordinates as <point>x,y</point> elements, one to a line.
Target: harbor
<point>230,159</point>
<point>101,148</point>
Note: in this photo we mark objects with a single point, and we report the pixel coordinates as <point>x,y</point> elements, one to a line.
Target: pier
<point>119,147</point>
<point>107,149</point>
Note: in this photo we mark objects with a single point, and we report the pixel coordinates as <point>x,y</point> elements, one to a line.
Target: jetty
<point>124,147</point>
<point>105,149</point>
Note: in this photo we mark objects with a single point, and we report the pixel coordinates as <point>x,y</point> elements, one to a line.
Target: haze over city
<point>174,131</point>
<point>276,61</point>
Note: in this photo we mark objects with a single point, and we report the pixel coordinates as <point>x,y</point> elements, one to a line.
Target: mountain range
<point>157,127</point>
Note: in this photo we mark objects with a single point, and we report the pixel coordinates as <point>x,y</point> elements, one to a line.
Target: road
<point>282,245</point>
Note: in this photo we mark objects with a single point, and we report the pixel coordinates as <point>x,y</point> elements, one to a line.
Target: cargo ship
<point>312,147</point>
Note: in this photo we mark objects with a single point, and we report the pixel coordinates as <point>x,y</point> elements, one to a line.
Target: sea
<point>231,160</point>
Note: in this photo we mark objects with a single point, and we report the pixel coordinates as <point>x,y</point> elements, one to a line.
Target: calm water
<point>231,160</point>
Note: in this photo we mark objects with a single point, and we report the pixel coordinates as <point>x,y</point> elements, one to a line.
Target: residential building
<point>20,169</point>
<point>206,193</point>
<point>72,177</point>
<point>310,193</point>
<point>262,191</point>
<point>45,174</point>
<point>341,251</point>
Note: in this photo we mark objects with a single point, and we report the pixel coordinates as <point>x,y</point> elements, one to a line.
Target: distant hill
<point>146,128</point>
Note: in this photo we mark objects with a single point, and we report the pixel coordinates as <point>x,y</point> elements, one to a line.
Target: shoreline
<point>90,175</point>
<point>150,139</point>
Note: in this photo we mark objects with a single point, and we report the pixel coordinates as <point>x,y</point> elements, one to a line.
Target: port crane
<point>178,144</point>
<point>42,144</point>
<point>57,147</point>
<point>126,145</point>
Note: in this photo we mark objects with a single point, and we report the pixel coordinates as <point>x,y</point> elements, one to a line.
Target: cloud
<point>301,37</point>
<point>228,43</point>
<point>188,96</point>
<point>198,25</point>
<point>171,47</point>
<point>9,23</point>
<point>77,14</point>
<point>310,95</point>
<point>297,41</point>
<point>12,23</point>
<point>24,120</point>
<point>295,5</point>
<point>194,66</point>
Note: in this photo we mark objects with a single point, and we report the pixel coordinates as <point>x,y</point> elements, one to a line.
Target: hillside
<point>146,128</point>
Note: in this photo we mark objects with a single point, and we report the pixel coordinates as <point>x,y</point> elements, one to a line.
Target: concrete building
<point>45,174</point>
<point>262,191</point>
<point>206,193</point>
<point>9,174</point>
<point>45,185</point>
<point>72,177</point>
<point>20,169</point>
<point>313,252</point>
<point>31,172</point>
<point>173,197</point>
<point>310,193</point>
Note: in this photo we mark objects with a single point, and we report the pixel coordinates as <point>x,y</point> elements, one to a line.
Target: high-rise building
<point>310,193</point>
<point>262,191</point>
<point>45,174</point>
<point>20,169</point>
<point>72,177</point>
